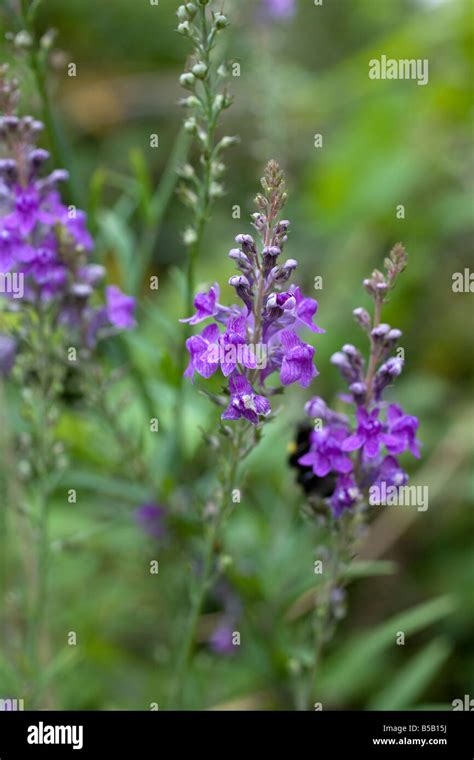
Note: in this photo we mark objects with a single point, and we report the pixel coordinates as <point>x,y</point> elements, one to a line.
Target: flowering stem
<point>36,61</point>
<point>341,543</point>
<point>228,480</point>
<point>373,353</point>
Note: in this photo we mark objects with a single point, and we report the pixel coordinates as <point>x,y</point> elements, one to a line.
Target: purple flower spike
<point>205,304</point>
<point>297,365</point>
<point>120,308</point>
<point>244,402</point>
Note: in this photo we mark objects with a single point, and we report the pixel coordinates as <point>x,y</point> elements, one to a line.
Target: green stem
<point>185,653</point>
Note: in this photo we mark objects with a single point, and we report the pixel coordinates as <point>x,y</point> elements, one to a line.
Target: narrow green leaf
<point>408,684</point>
<point>347,672</point>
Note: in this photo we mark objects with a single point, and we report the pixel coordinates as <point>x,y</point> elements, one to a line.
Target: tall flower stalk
<point>37,50</point>
<point>344,468</point>
<point>203,78</point>
<point>52,314</point>
<point>248,342</point>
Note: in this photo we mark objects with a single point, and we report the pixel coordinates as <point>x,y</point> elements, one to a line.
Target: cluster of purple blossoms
<point>251,341</point>
<point>355,459</point>
<point>45,244</point>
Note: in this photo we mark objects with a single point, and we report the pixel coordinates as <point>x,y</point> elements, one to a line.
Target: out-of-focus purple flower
<point>47,242</point>
<point>120,308</point>
<point>390,473</point>
<point>326,454</point>
<point>402,430</point>
<point>244,402</point>
<point>221,639</point>
<point>297,365</point>
<point>345,496</point>
<point>279,10</point>
<point>8,349</point>
<point>152,519</point>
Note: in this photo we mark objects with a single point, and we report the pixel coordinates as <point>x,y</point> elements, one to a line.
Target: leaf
<point>370,568</point>
<point>411,680</point>
<point>118,236</point>
<point>347,672</point>
<point>142,175</point>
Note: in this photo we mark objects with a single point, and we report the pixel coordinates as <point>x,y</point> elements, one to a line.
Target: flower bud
<point>227,142</point>
<point>363,318</point>
<point>184,28</point>
<point>191,126</point>
<point>248,244</point>
<point>187,80</point>
<point>358,391</point>
<point>199,70</point>
<point>220,21</point>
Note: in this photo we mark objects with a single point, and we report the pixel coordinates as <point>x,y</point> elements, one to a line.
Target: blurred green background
<point>385,143</point>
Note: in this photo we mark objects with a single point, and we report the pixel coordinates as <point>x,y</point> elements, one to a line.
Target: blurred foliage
<point>384,143</point>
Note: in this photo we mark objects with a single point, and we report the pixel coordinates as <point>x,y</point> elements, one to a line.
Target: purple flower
<point>297,365</point>
<point>345,496</point>
<point>279,9</point>
<point>221,639</point>
<point>305,309</point>
<point>244,402</point>
<point>369,435</point>
<point>203,354</point>
<point>120,308</point>
<point>402,432</point>
<point>233,349</point>
<point>151,518</point>
<point>205,304</point>
<point>390,473</point>
<point>325,454</point>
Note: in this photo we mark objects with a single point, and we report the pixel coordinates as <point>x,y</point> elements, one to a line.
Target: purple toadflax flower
<point>251,342</point>
<point>338,463</point>
<point>244,402</point>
